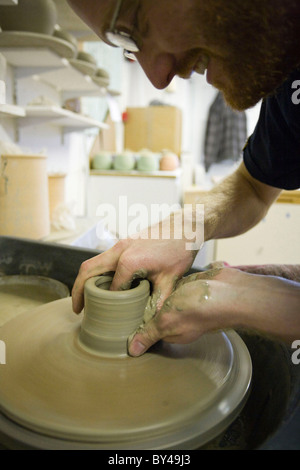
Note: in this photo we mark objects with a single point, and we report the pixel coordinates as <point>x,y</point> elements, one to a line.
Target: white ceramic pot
<point>37,16</point>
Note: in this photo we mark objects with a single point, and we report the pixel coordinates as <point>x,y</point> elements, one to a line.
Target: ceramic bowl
<point>102,161</point>
<point>86,57</point>
<point>36,16</point>
<point>102,76</point>
<point>124,161</point>
<point>65,36</point>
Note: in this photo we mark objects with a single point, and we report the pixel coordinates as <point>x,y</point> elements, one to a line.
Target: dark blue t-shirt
<point>272,153</point>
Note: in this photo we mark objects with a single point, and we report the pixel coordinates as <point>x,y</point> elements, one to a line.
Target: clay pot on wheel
<point>110,317</point>
<point>77,388</point>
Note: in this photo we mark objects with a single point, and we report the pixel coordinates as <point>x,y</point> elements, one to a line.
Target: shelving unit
<point>42,73</point>
<point>137,173</point>
<point>49,68</point>
<point>11,110</point>
<point>60,117</point>
<point>47,60</point>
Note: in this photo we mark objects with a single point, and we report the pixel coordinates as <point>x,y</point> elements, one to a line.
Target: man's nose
<point>159,68</point>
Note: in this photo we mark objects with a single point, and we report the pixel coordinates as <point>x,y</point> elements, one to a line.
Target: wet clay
<point>106,334</point>
<point>140,274</point>
<point>59,384</point>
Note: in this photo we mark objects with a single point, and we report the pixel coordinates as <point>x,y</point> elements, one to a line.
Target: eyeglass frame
<point>112,31</point>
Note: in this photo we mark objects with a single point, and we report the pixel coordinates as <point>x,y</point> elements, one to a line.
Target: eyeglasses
<point>119,38</point>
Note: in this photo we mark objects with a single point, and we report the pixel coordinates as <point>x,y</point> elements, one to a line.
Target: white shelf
<point>12,110</point>
<point>47,59</point>
<point>61,117</point>
<point>70,82</point>
<point>30,57</point>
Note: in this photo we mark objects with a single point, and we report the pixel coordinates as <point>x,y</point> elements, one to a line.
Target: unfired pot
<point>24,197</point>
<point>56,183</point>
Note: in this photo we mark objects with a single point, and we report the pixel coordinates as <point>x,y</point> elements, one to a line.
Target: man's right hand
<point>162,261</point>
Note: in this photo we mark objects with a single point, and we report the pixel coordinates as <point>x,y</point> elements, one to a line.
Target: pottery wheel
<point>175,396</point>
<point>20,293</point>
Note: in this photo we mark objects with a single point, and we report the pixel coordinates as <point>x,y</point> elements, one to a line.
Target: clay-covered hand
<point>223,298</point>
<point>162,260</point>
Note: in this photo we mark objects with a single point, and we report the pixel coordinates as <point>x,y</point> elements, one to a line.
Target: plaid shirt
<point>226,133</point>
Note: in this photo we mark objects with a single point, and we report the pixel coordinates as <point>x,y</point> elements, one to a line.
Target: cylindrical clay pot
<point>111,316</point>
<point>24,197</point>
<point>56,184</point>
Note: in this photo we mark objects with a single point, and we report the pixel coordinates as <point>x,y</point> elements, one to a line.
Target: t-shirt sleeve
<point>272,153</point>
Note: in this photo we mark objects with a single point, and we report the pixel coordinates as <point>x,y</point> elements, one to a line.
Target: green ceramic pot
<point>148,162</point>
<point>124,162</point>
<point>102,161</point>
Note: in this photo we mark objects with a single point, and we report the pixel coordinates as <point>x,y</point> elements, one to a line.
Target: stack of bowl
<point>36,16</point>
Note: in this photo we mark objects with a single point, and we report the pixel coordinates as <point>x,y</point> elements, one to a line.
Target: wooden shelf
<point>12,110</point>
<point>289,197</point>
<point>137,173</point>
<point>60,117</point>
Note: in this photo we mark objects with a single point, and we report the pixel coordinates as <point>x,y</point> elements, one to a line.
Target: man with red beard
<point>250,51</point>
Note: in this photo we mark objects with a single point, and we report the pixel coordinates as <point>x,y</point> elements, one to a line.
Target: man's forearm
<point>236,205</point>
<point>270,305</point>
